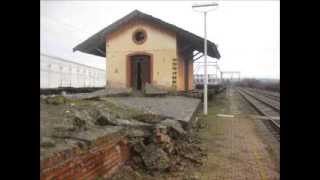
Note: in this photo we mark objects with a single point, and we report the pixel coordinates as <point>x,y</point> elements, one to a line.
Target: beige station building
<point>141,49</point>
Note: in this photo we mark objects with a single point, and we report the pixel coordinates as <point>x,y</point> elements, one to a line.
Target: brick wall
<point>102,158</point>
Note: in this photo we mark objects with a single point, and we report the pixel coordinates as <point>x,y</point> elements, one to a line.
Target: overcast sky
<point>247,32</point>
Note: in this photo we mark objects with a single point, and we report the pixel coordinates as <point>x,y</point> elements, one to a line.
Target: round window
<point>139,36</point>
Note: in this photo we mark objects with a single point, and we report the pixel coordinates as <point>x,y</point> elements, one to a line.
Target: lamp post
<point>205,97</point>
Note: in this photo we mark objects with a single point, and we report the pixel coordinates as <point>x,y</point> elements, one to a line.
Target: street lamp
<point>209,6</point>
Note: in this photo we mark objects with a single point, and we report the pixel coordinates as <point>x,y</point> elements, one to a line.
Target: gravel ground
<point>240,147</point>
<point>178,107</point>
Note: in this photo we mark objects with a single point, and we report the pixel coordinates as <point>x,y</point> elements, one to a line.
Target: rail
<point>269,94</point>
<point>269,108</point>
<point>275,104</point>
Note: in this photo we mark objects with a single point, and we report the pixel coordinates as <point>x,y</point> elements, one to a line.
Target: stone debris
<point>63,93</point>
<point>42,97</point>
<point>62,131</point>
<point>96,95</point>
<point>104,118</point>
<point>79,123</point>
<point>174,125</point>
<point>127,173</point>
<point>138,132</point>
<point>47,142</point>
<point>155,158</point>
<point>158,144</point>
<point>164,151</point>
<point>225,115</point>
<point>152,90</point>
<point>55,100</point>
<point>132,122</point>
<point>149,118</point>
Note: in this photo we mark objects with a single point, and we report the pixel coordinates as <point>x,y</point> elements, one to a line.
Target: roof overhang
<point>96,44</point>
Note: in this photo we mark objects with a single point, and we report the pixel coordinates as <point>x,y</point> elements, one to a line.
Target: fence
<point>212,79</point>
<point>56,72</point>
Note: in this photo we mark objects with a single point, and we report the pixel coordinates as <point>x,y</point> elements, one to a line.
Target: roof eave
<point>94,42</point>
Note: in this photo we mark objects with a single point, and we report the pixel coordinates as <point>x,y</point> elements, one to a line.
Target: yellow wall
<point>191,75</point>
<point>181,79</point>
<point>181,74</point>
<point>161,44</point>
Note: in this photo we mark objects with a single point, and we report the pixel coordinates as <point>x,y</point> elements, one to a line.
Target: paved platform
<point>177,107</point>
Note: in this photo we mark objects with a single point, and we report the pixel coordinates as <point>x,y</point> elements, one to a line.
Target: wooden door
<point>140,71</point>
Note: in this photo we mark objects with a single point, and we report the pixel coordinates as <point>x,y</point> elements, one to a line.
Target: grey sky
<point>247,32</point>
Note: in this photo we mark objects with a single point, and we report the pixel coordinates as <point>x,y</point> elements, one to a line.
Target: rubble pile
<point>164,147</point>
<point>158,144</point>
<point>167,149</point>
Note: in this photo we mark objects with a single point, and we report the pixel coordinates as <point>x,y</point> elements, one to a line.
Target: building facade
<point>155,59</point>
<point>142,49</point>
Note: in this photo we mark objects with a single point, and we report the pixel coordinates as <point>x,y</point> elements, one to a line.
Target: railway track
<point>272,95</point>
<point>274,104</point>
<point>269,108</point>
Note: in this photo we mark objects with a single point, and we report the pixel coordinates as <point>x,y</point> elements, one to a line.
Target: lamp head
<point>205,7</point>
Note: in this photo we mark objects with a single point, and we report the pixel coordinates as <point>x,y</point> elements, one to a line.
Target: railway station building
<point>140,49</point>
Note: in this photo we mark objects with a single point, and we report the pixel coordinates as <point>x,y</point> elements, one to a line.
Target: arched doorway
<point>139,71</point>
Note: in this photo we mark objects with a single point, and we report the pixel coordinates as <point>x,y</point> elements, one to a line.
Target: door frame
<point>128,66</point>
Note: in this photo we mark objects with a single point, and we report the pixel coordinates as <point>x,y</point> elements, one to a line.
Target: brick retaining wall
<point>101,159</point>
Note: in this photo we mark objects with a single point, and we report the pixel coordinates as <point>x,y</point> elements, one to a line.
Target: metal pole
<point>205,100</point>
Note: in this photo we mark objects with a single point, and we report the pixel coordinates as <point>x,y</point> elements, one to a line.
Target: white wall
<point>56,72</point>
